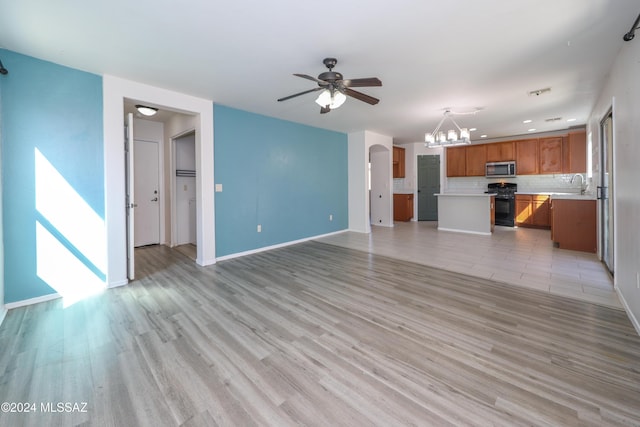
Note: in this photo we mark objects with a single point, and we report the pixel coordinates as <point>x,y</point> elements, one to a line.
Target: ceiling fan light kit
<point>439,138</point>
<point>335,88</point>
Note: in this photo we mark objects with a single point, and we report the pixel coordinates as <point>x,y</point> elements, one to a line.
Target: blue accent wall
<point>58,112</point>
<point>285,176</point>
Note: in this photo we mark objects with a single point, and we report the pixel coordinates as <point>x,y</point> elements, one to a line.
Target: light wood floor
<point>320,335</point>
<point>518,256</point>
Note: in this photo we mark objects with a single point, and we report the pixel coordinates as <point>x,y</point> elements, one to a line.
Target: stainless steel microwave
<point>500,169</point>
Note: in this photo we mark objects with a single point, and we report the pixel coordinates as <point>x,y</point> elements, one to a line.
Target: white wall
<point>115,90</point>
<point>360,144</point>
<point>623,85</point>
<point>381,193</point>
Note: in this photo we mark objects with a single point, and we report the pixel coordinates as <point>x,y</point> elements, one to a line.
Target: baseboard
<point>118,284</point>
<point>30,301</point>
<point>479,233</point>
<point>279,245</point>
<point>632,317</point>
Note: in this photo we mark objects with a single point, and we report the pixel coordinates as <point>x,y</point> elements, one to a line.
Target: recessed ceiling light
<point>532,130</point>
<point>483,136</point>
<point>473,130</point>
<point>571,120</point>
<point>527,121</point>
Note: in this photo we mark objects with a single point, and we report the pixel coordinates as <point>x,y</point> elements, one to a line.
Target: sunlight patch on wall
<point>69,213</point>
<point>70,237</point>
<point>63,271</point>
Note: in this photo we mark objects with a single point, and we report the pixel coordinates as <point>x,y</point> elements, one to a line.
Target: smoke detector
<point>539,92</point>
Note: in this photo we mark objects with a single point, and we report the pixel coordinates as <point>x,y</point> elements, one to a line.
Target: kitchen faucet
<point>582,186</point>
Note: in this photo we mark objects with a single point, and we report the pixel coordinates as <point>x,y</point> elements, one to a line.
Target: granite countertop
<point>560,195</point>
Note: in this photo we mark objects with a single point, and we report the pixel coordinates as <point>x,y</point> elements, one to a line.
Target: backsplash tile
<point>560,183</point>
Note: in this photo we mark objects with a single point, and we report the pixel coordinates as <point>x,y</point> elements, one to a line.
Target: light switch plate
<point>218,188</point>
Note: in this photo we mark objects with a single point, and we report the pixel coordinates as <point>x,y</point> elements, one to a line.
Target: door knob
<point>155,199</point>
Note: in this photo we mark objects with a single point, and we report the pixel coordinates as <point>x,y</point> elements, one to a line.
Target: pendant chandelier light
<point>440,138</point>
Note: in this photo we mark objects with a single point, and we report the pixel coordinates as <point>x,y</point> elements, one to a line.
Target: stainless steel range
<point>505,202</point>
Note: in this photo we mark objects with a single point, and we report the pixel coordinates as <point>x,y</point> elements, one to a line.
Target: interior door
<point>146,184</point>
<point>428,185</point>
<point>130,193</point>
<point>605,191</point>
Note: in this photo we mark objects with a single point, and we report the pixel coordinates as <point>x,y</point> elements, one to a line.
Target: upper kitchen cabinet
<point>398,162</point>
<point>574,158</point>
<point>456,161</point>
<point>501,151</point>
<point>527,157</point>
<point>549,155</point>
<point>475,159</point>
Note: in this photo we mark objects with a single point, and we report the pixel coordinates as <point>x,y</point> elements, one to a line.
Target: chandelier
<point>439,138</point>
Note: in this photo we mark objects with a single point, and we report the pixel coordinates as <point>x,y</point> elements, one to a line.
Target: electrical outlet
<point>259,228</point>
<point>330,217</point>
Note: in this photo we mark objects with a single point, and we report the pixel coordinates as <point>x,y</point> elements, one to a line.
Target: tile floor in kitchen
<point>518,256</point>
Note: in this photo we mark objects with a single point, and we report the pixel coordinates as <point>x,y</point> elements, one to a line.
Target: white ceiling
<point>430,55</point>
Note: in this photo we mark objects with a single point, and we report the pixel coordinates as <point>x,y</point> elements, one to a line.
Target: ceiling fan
<point>335,89</point>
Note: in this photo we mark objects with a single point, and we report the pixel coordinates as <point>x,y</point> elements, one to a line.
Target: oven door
<point>505,211</point>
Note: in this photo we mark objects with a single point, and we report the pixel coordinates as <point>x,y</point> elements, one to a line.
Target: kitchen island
<point>466,212</point>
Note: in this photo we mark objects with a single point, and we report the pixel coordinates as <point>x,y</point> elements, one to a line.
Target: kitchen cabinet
<point>402,207</point>
<point>574,152</point>
<point>456,161</point>
<point>550,155</point>
<point>501,151</point>
<point>527,157</point>
<point>574,224</point>
<point>475,159</point>
<point>398,162</point>
<point>533,210</point>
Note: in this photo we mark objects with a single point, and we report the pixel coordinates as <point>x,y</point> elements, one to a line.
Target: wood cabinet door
<point>501,151</point>
<point>550,155</point>
<point>541,211</point>
<point>523,209</point>
<point>398,162</point>
<point>476,159</point>
<point>456,161</point>
<point>576,153</point>
<point>527,157</point>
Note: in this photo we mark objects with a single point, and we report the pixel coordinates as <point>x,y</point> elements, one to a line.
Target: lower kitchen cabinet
<point>402,207</point>
<point>574,224</point>
<point>533,210</point>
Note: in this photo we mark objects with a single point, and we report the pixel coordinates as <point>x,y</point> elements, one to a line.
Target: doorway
<point>428,185</point>
<point>146,181</point>
<point>184,202</point>
<point>606,192</point>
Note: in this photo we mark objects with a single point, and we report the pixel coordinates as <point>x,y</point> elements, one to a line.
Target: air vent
<point>539,92</point>
<point>554,119</point>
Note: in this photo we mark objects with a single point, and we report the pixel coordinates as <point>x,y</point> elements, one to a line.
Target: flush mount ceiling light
<point>146,111</point>
<point>439,138</point>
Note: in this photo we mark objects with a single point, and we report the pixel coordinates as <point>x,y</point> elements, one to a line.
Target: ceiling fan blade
<point>366,82</point>
<point>361,96</point>
<point>301,93</point>
<point>324,110</point>
<point>320,82</point>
